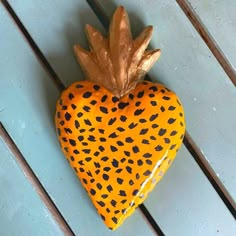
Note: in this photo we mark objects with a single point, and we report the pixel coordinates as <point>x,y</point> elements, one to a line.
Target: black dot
<point>123,160</point>
<point>72,158</point>
<point>113,135</point>
<point>113,203</point>
<point>104,110</point>
<point>104,196</point>
<point>119,180</point>
<point>172,146</point>
<point>122,105</point>
<point>85,181</point>
<point>75,169</point>
<point>87,95</point>
<point>103,140</point>
<point>154,126</point>
<point>131,96</point>
<point>119,170</point>
<point>109,188</point>
<point>153,137</point>
<point>64,107</point>
<point>161,132</point>
<point>138,112</point>
<point>127,153</point>
<point>70,96</point>
<point>135,149</point>
<point>91,138</point>
<point>153,117</point>
<point>101,148</point>
<point>147,173</point>
<point>113,148</point>
<point>72,142</point>
<point>73,106</point>
<point>132,125</point>
<point>58,114</point>
<point>96,153</point>
<point>105,177</point>
<point>129,169</point>
<point>137,176</point>
<point>158,148</point>
<point>91,130</point>
<point>143,131</point>
<point>101,203</point>
<point>147,155</point>
<point>171,108</point>
<point>123,201</point>
<point>137,104</point>
<point>130,161</point>
<point>120,129</point>
<point>120,143</point>
<point>162,109</point>
<point>67,116</point>
<point>122,193</point>
<point>93,102</point>
<point>104,158</point>
<point>153,88</point>
<point>123,118</point>
<point>86,108</point>
<point>85,143</point>
<point>98,118</point>
<point>151,95</point>
<point>88,159</point>
<point>81,138</point>
<point>163,91</point>
<point>181,114</point>
<point>135,192</point>
<point>153,103</point>
<point>140,94</point>
<point>99,186</point>
<point>81,162</point>
<point>173,133</point>
<point>101,131</point>
<point>115,163</point>
<point>104,98</point>
<point>114,109</point>
<point>145,141</point>
<point>60,101</point>
<point>62,122</point>
<point>103,217</point>
<point>129,140</point>
<point>66,149</point>
<point>79,86</point>
<point>171,121</point>
<point>93,192</point>
<point>111,121</point>
<point>114,219</point>
<point>149,162</point>
<point>87,151</point>
<point>106,169</point>
<point>87,122</point>
<point>64,139</point>
<point>81,169</point>
<point>131,182</point>
<point>142,120</point>
<point>96,87</point>
<point>166,98</point>
<point>115,99</point>
<point>167,140</point>
<point>89,174</point>
<point>108,210</point>
<point>76,151</point>
<point>117,211</point>
<point>80,114</point>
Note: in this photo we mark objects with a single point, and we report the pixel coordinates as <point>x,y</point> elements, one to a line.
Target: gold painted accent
<point>119,62</point>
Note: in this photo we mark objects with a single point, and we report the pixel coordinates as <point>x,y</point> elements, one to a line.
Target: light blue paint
<point>27,105</point>
<point>220,20</point>
<point>188,67</point>
<point>22,212</point>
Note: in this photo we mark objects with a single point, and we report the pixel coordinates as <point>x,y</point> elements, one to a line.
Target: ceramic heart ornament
<point>119,133</point>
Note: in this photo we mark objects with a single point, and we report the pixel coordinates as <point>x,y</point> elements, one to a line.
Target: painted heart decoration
<point>118,132</point>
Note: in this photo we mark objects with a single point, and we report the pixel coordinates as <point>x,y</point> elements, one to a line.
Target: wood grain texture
<point>188,67</point>
<point>27,104</point>
<point>21,210</point>
<point>220,20</point>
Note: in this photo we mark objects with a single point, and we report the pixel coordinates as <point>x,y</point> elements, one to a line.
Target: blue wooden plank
<point>188,67</point>
<point>27,105</point>
<point>17,196</point>
<point>220,20</point>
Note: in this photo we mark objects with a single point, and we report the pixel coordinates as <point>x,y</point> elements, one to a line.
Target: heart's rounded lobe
<point>119,148</point>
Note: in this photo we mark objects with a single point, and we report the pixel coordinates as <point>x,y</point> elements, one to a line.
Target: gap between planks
<point>28,172</point>
<point>188,141</point>
<point>42,59</point>
<point>208,39</point>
